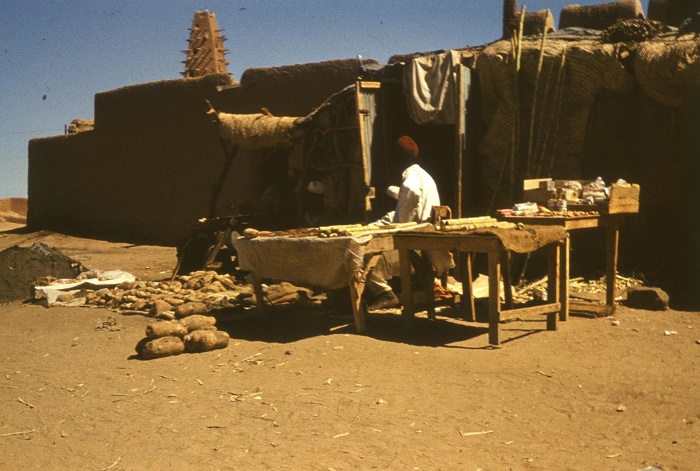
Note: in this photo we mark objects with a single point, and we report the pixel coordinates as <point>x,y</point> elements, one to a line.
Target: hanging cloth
<point>430,88</point>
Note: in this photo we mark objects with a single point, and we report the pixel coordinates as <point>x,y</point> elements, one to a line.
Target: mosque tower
<point>205,52</point>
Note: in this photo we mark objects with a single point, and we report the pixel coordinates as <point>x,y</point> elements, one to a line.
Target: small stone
<point>643,297</point>
<point>621,408</point>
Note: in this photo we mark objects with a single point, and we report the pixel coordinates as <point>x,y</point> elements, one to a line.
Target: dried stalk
<point>515,48</point>
<point>533,111</point>
<point>12,434</point>
<point>516,101</point>
<point>544,111</point>
<point>558,93</point>
<point>557,111</point>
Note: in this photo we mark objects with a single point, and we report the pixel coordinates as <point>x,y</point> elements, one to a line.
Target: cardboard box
<point>624,198</point>
<point>536,195</point>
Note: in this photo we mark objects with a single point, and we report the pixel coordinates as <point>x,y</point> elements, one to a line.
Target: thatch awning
<point>257,131</point>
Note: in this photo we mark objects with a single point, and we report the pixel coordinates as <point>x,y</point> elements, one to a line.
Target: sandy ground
<point>298,389</point>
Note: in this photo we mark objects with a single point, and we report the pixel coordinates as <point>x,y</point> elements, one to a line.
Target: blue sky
<point>55,55</point>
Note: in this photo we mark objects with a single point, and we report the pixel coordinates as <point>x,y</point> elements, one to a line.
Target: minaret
<point>510,14</point>
<point>206,52</point>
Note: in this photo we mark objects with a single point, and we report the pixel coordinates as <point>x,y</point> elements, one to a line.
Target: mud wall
<point>145,173</point>
<point>638,139</point>
<point>17,205</point>
<point>292,90</point>
<point>139,175</point>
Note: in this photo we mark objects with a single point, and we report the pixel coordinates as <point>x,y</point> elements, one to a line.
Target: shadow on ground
<point>292,322</point>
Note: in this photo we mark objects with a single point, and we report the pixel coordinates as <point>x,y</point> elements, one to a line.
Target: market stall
<point>574,205</point>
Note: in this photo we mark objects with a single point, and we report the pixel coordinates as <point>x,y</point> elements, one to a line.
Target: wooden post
<point>459,141</point>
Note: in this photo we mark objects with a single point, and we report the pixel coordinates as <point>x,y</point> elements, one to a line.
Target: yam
<point>160,306</point>
<point>208,327</point>
<point>190,309</point>
<point>227,282</point>
<point>160,347</point>
<point>166,316</point>
<point>197,322</point>
<point>205,340</point>
<point>166,329</point>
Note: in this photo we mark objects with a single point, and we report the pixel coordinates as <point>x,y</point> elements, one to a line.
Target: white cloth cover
<point>327,263</point>
<point>98,280</point>
<point>312,261</point>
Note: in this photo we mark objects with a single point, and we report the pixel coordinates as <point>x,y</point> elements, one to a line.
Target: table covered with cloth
<point>331,263</point>
<point>524,240</point>
<point>314,261</point>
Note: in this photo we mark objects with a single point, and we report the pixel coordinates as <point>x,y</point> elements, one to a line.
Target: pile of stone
<point>193,334</point>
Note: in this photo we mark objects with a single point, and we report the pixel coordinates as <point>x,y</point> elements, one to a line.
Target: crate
<point>624,198</point>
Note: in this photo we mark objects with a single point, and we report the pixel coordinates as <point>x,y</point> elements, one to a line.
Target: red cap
<point>407,146</point>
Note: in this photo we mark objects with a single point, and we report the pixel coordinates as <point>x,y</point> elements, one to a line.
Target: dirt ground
<point>299,389</point>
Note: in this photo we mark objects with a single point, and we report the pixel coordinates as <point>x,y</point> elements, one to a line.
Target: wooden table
<point>466,242</point>
<point>611,223</point>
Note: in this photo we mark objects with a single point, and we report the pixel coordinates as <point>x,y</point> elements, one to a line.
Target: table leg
<point>406,291</point>
<point>564,279</point>
<point>430,288</point>
<point>494,296</point>
<point>612,236</point>
<point>357,285</point>
<point>553,282</point>
<point>425,277</point>
<point>257,289</point>
<point>507,281</point>
<point>465,274</point>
